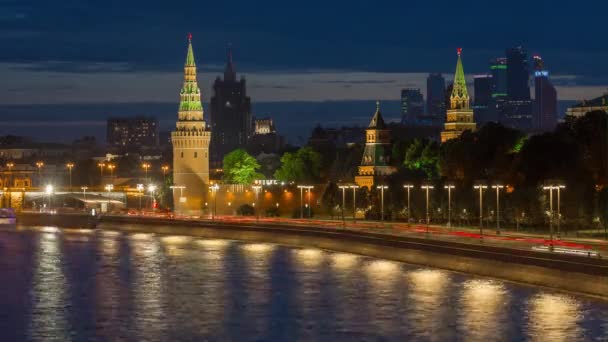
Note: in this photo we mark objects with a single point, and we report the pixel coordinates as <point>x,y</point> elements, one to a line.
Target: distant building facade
<point>190,141</point>
<point>375,164</point>
<point>230,113</point>
<point>435,95</point>
<point>517,111</point>
<point>132,133</point>
<point>265,138</point>
<point>460,115</point>
<point>545,98</point>
<point>412,105</point>
<point>498,70</point>
<point>482,104</point>
<point>586,106</point>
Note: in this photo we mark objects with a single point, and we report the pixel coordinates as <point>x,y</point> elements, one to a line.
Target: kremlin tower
<point>375,164</point>
<point>460,115</point>
<point>190,141</point>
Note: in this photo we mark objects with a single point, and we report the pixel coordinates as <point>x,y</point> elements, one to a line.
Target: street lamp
<point>140,189</point>
<point>302,187</point>
<point>382,188</point>
<point>257,189</point>
<point>146,166</point>
<point>214,188</point>
<point>10,166</point>
<point>354,187</point>
<point>497,187</point>
<point>550,188</point>
<point>111,167</point>
<point>70,166</point>
<point>109,188</point>
<point>428,219</point>
<point>39,164</point>
<point>559,215</point>
<point>49,191</point>
<point>343,188</point>
<point>84,195</point>
<point>181,192</point>
<point>449,188</point>
<point>408,187</point>
<point>152,189</point>
<point>481,188</point>
<point>165,169</point>
<point>101,166</point>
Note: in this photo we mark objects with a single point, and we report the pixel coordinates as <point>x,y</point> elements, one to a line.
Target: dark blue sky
<point>96,52</point>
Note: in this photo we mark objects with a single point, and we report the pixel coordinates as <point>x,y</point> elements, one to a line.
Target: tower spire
<point>229,72</point>
<point>460,95</point>
<point>190,54</point>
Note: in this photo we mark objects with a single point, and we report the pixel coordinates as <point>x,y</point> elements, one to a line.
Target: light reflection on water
<point>146,287</point>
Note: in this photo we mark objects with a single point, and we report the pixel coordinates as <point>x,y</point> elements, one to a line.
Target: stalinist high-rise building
<point>190,144</point>
<point>459,117</point>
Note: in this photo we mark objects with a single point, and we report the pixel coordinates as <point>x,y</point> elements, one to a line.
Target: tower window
<point>195,154</point>
<point>182,154</point>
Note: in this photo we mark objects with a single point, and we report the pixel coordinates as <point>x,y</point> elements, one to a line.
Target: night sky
<point>77,62</point>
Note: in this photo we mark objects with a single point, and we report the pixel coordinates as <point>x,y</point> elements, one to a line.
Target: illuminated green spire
<point>460,95</point>
<point>190,55</point>
<point>190,106</point>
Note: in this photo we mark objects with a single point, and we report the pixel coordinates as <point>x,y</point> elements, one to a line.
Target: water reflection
<point>49,316</point>
<point>484,305</point>
<point>427,291</point>
<point>148,294</point>
<point>554,317</point>
<point>108,289</point>
<point>384,299</point>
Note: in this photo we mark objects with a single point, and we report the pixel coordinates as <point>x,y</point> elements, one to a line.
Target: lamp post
<point>70,166</point>
<point>214,188</point>
<point>145,166</point>
<point>354,187</point>
<point>11,181</point>
<point>49,191</point>
<point>428,218</point>
<point>302,187</point>
<point>111,167</point>
<point>497,187</point>
<point>408,187</point>
<point>84,195</point>
<point>109,188</point>
<point>140,189</point>
<point>181,192</point>
<point>449,188</point>
<point>101,166</point>
<point>382,188</point>
<point>257,189</point>
<point>559,215</point>
<point>165,169</point>
<point>39,164</point>
<point>152,189</point>
<point>550,189</point>
<point>343,188</point>
<point>481,188</point>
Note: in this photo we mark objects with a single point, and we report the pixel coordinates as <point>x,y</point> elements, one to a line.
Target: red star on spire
<point>189,36</point>
<point>459,51</point>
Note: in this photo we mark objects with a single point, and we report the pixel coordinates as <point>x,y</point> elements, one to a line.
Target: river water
<point>106,286</point>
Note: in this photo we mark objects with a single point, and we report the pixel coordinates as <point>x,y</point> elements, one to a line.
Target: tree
<point>301,166</point>
<point>240,168</point>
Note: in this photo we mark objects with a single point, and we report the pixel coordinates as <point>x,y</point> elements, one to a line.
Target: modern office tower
<point>230,113</point>
<point>435,96</point>
<point>498,70</point>
<point>518,107</point>
<point>129,134</point>
<point>482,98</point>
<point>190,141</point>
<point>545,98</point>
<point>375,164</point>
<point>412,105</point>
<point>459,117</point>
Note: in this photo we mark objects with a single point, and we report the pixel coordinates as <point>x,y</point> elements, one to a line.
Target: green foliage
<point>423,156</point>
<point>301,166</point>
<point>245,210</point>
<point>240,168</point>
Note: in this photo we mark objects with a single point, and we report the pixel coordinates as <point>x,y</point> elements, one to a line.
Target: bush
<point>272,212</point>
<point>245,210</point>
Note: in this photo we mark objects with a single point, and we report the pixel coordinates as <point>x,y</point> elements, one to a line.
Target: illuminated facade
<point>586,106</point>
<point>460,115</point>
<point>190,141</point>
<point>375,164</point>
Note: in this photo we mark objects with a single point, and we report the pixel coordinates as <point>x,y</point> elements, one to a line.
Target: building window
<point>182,154</point>
<point>195,154</point>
